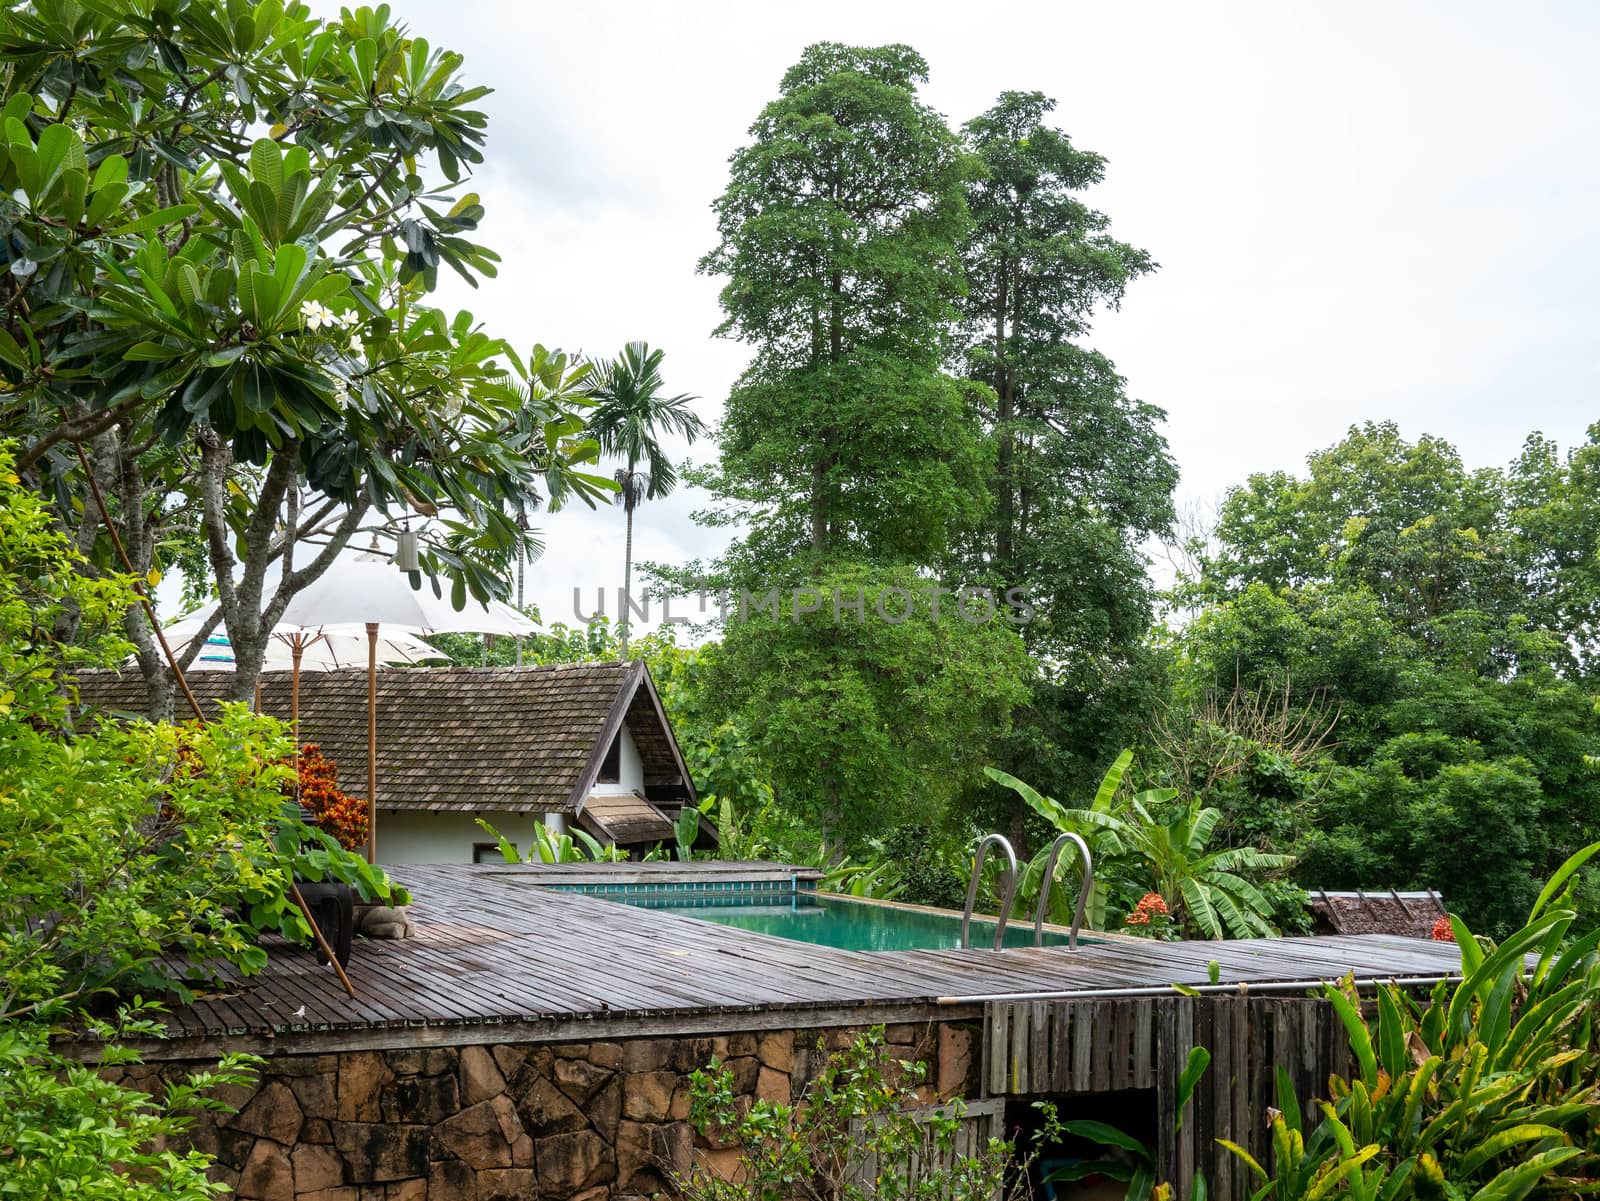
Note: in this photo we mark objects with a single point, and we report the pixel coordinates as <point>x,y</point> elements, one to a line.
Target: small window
<point>611,765</point>
<point>487,852</point>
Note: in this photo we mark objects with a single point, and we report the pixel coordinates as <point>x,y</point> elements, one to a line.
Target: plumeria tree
<point>222,225</point>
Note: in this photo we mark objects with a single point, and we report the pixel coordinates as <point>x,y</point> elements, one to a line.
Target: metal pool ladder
<point>1049,881</point>
<point>1010,879</point>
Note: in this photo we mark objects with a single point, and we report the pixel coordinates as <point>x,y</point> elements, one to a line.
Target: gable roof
<point>1372,911</point>
<point>503,739</point>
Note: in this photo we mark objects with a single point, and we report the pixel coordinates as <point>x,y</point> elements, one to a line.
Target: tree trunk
<point>113,454</point>
<point>819,506</point>
<point>249,622</point>
<point>627,581</point>
<point>1005,499</point>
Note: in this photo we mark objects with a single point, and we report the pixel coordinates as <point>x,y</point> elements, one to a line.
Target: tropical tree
<point>1148,842</point>
<point>222,223</point>
<point>838,236</point>
<point>629,418</point>
<point>1080,477</point>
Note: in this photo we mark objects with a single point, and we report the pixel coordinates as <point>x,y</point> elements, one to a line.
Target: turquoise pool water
<point>853,925</point>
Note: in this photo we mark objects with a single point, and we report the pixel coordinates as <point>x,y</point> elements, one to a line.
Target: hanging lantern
<point>405,550</point>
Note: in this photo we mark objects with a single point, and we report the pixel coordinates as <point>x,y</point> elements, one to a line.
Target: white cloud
<point>1361,211</point>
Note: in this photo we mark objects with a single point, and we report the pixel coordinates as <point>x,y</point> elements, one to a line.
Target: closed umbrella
<point>365,589</point>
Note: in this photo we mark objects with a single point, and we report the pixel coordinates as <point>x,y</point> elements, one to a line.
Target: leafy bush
<point>65,1128</point>
<point>130,854</point>
<point>860,1133</point>
<point>1488,1090</point>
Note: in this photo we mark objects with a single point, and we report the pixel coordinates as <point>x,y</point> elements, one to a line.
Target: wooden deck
<point>498,958</point>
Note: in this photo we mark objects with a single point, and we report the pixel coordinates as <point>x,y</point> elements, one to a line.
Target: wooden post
<point>372,742</point>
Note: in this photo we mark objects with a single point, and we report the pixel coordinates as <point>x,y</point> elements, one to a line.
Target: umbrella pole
<point>296,649</point>
<point>372,742</point>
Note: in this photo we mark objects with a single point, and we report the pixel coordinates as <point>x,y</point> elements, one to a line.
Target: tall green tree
<point>839,229</point>
<point>849,457</point>
<point>629,419</point>
<point>1039,263</point>
<point>1081,474</point>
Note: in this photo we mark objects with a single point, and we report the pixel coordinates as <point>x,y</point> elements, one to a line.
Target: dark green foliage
<point>1080,476</point>
<point>864,723</point>
<point>1445,614</point>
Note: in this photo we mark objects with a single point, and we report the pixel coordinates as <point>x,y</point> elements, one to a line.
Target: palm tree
<point>629,417</point>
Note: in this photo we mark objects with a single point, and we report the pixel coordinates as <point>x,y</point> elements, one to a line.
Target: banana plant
<point>1488,1091</point>
<point>550,846</point>
<point>1208,888</point>
<point>1098,825</point>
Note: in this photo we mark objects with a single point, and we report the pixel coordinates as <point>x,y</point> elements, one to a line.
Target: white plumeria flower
<point>349,318</point>
<point>316,315</point>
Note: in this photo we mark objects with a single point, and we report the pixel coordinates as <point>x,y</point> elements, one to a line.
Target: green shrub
<point>860,1133</point>
<point>1488,1090</point>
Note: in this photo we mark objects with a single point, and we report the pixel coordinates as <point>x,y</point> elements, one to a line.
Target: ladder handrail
<point>1048,882</point>
<point>1004,844</point>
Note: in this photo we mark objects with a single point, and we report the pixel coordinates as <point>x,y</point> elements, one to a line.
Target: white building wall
<point>413,837</point>
<point>630,770</point>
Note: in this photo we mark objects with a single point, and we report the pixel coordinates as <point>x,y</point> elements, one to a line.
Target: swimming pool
<point>852,925</point>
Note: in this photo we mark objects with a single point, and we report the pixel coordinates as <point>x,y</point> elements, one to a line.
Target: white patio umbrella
<point>295,648</point>
<point>366,589</point>
<point>328,648</point>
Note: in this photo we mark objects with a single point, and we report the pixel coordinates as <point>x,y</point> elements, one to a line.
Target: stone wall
<point>549,1122</point>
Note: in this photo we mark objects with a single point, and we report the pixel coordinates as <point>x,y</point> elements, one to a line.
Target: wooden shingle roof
<point>1411,914</point>
<point>506,739</point>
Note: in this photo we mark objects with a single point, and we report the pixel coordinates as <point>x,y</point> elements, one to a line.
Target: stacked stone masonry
<point>590,1121</point>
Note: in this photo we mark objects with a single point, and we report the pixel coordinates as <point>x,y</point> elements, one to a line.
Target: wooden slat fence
<point>1045,1048</point>
<point>980,1123</point>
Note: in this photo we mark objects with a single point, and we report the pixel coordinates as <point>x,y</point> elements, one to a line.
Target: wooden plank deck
<point>495,950</point>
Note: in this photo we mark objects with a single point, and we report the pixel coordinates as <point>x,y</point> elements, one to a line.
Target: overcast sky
<point>1361,211</point>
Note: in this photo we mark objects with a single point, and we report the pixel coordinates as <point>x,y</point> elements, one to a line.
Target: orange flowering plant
<point>1151,918</point>
<point>332,810</point>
